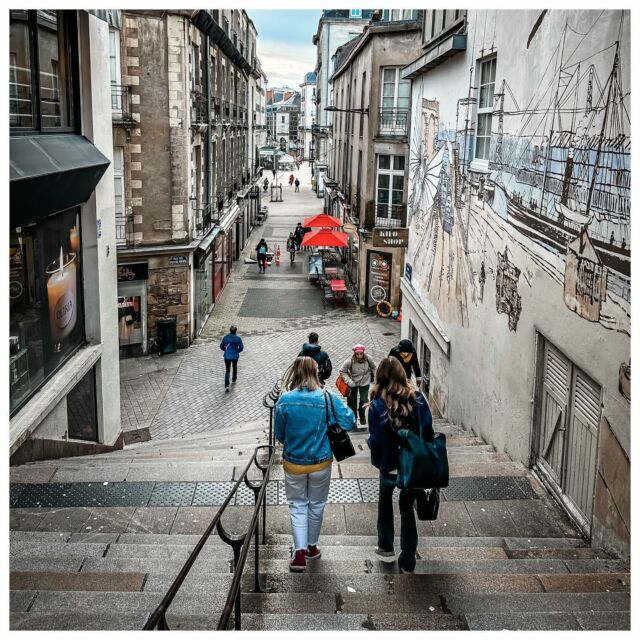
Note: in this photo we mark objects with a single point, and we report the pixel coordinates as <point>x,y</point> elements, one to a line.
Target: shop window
<point>82,415</point>
<point>40,65</point>
<point>46,314</point>
<point>485,109</point>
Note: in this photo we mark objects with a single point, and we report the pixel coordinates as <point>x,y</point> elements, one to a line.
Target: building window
<point>46,314</point>
<point>389,190</point>
<point>41,36</point>
<point>356,13</point>
<point>362,97</point>
<point>114,70</point>
<point>118,188</point>
<point>485,109</point>
<point>394,112</point>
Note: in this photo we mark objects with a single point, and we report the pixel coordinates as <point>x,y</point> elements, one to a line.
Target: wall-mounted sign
<point>350,228</point>
<point>134,271</point>
<point>408,271</point>
<point>391,237</point>
<point>378,277</point>
<point>178,261</point>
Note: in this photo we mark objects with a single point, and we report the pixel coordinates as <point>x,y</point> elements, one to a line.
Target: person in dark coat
<point>406,354</point>
<point>298,234</point>
<point>232,346</point>
<point>313,350</point>
<point>261,252</point>
<point>297,183</point>
<point>395,404</point>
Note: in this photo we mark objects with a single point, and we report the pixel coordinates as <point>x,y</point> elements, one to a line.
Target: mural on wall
<point>558,185</point>
<point>508,300</point>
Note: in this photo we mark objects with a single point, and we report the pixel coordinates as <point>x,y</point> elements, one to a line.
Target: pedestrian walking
<point>313,350</point>
<point>261,252</point>
<point>406,354</point>
<point>297,183</point>
<point>265,184</point>
<point>358,372</point>
<point>291,247</point>
<point>273,171</point>
<point>232,346</point>
<point>301,416</point>
<point>396,404</point>
<point>298,235</point>
<point>291,177</point>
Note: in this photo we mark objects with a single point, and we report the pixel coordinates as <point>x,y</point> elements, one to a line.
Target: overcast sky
<point>284,44</point>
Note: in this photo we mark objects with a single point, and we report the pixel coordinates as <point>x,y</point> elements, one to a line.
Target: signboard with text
<point>177,261</point>
<point>391,237</point>
<point>378,277</point>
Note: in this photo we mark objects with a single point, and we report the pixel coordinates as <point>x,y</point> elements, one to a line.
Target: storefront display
<point>378,277</point>
<point>132,307</point>
<point>46,323</point>
<point>203,288</point>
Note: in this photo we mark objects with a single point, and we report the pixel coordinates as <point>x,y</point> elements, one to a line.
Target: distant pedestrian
<point>358,372</point>
<point>313,350</point>
<point>232,346</point>
<point>291,178</point>
<point>405,352</point>
<point>261,252</point>
<point>395,404</point>
<point>265,184</point>
<point>274,173</point>
<point>297,183</point>
<point>301,416</point>
<point>291,247</point>
<point>298,234</point>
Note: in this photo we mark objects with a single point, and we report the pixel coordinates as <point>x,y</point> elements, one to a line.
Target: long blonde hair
<point>302,373</point>
<point>393,387</point>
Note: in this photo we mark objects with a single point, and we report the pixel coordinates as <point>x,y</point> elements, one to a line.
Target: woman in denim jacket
<point>396,404</point>
<point>301,427</point>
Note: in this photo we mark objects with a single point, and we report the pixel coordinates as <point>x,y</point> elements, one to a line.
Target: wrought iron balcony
<point>121,105</point>
<point>124,230</point>
<point>393,122</point>
<point>391,215</point>
<point>215,109</point>
<point>226,110</point>
<point>205,218</point>
<point>198,109</point>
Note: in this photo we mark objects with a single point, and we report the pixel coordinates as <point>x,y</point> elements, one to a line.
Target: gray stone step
<point>522,622</point>
<point>304,622</point>
<point>534,602</point>
<point>69,621</point>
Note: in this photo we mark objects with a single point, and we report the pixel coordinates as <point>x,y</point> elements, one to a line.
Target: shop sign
<point>391,237</point>
<point>379,278</point>
<point>178,261</point>
<point>408,271</point>
<point>134,271</point>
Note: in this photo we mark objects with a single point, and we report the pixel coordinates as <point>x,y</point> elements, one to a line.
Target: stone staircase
<point>500,556</point>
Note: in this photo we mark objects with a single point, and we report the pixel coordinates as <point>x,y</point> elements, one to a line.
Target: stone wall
<point>168,296</point>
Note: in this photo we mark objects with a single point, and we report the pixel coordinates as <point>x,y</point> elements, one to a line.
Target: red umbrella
<point>325,238</point>
<point>321,220</point>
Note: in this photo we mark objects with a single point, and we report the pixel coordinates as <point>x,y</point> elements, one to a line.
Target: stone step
<point>70,621</point>
<point>69,581</point>
<point>587,621</point>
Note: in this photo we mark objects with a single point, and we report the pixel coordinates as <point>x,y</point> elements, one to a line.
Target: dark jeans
<point>261,262</point>
<point>227,367</point>
<point>358,397</point>
<point>408,530</point>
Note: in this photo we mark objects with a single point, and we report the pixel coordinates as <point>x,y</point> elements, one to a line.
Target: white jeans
<point>307,494</point>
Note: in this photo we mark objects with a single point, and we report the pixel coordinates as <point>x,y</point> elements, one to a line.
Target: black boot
<point>362,415</point>
<point>427,503</point>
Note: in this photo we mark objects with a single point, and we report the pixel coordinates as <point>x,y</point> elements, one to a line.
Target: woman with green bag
<point>396,404</point>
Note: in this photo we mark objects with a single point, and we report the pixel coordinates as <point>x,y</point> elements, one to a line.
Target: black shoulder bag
<point>339,439</point>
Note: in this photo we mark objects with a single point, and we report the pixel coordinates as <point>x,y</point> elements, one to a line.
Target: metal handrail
<point>240,544</point>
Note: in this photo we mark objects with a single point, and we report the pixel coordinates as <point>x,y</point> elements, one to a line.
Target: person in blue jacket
<point>301,418</point>
<point>232,346</point>
<point>396,404</point>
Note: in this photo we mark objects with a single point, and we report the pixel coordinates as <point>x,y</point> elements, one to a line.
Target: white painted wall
<point>488,381</point>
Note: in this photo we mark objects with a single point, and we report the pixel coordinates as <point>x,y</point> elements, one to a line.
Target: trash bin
<point>166,335</point>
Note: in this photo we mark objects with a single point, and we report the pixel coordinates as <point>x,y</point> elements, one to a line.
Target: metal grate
<point>14,493</point>
<point>172,494</point>
<point>478,488</point>
<point>344,491</point>
<point>211,493</point>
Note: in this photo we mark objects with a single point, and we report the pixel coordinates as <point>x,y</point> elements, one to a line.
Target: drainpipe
<point>209,145</point>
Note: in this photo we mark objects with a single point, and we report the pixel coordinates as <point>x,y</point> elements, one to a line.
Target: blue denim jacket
<point>232,346</point>
<point>383,441</point>
<point>301,424</point>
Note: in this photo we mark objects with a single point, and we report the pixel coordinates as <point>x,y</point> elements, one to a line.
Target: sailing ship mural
<point>558,184</point>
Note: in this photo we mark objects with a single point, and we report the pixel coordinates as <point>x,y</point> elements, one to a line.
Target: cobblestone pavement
<point>184,393</point>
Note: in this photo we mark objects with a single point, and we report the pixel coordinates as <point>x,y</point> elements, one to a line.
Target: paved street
<point>183,393</point>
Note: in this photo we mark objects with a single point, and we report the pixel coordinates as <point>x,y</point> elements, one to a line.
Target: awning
<point>208,240</point>
<point>111,16</point>
<point>51,173</point>
<point>321,220</point>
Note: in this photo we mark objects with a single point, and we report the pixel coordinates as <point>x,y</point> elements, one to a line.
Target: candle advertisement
<point>59,256</point>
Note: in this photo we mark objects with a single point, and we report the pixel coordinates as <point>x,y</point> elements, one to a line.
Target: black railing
<point>198,108</point>
<point>391,215</point>
<point>204,220</point>
<point>225,105</point>
<point>121,104</point>
<point>124,230</point>
<point>240,545</point>
<point>269,401</point>
<point>393,122</point>
<point>215,108</point>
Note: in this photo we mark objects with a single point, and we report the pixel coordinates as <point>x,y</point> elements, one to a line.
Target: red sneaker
<point>299,562</point>
<point>313,552</point>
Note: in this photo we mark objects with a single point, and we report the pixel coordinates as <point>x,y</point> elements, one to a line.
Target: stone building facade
<point>185,165</point>
<point>368,166</point>
<point>517,280</point>
<point>307,115</point>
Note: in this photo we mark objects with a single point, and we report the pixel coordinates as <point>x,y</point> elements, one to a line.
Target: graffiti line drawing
<point>508,299</point>
<point>557,188</point>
